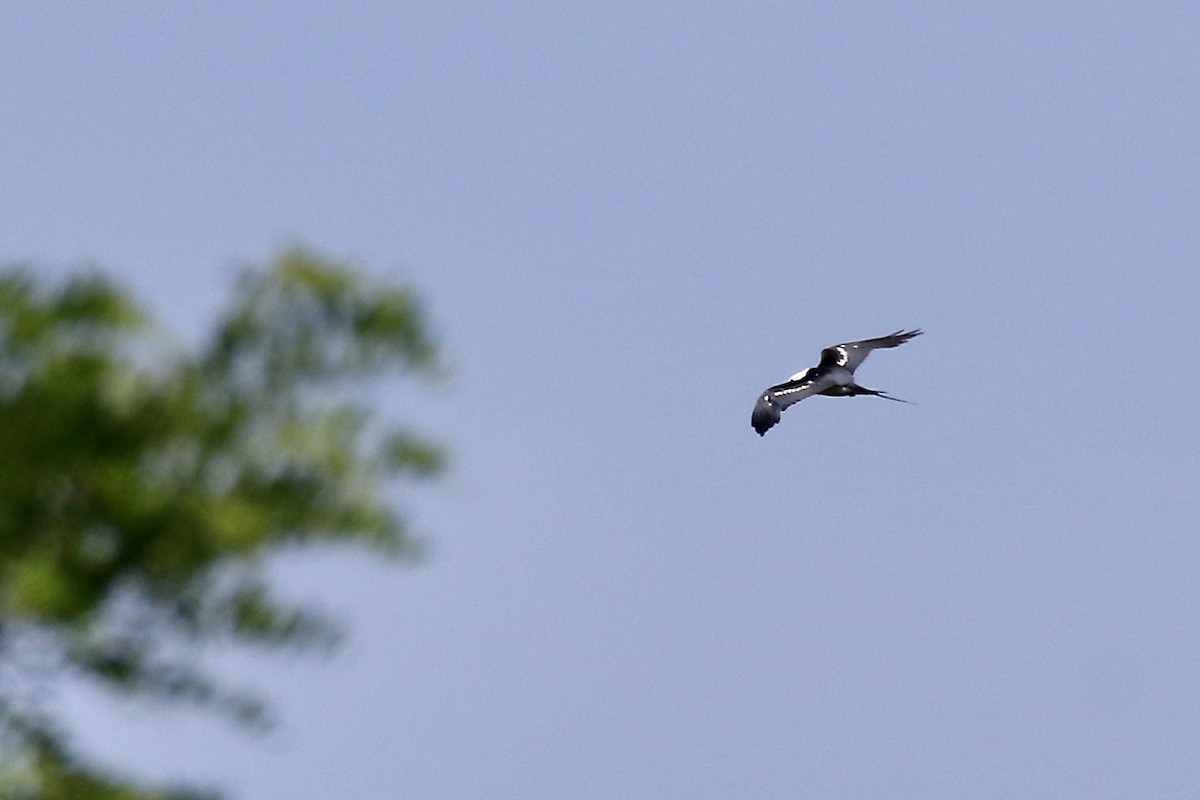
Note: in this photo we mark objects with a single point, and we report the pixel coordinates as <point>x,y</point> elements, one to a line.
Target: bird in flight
<point>834,377</point>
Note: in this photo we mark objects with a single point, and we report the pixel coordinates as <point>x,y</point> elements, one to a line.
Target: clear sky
<point>628,219</point>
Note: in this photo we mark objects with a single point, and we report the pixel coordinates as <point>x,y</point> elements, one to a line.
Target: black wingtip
<point>763,418</point>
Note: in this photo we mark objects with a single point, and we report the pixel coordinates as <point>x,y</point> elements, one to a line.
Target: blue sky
<point>628,219</point>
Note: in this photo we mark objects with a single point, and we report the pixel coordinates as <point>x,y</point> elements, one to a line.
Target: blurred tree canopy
<point>141,488</point>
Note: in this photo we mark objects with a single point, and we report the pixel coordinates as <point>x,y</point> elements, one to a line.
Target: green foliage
<point>140,491</point>
<point>42,771</point>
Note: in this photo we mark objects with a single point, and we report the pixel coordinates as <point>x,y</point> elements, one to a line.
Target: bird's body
<point>833,376</point>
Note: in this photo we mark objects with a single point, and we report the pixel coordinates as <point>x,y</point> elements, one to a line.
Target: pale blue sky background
<point>629,218</point>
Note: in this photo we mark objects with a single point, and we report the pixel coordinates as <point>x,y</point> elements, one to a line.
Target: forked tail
<point>857,390</point>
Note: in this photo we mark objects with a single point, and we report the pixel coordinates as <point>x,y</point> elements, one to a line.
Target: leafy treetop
<point>141,490</point>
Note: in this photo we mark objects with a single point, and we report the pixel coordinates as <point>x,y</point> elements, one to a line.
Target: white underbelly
<point>840,376</point>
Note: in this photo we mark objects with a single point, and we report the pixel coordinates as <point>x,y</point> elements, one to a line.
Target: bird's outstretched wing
<point>774,400</point>
<point>851,354</point>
